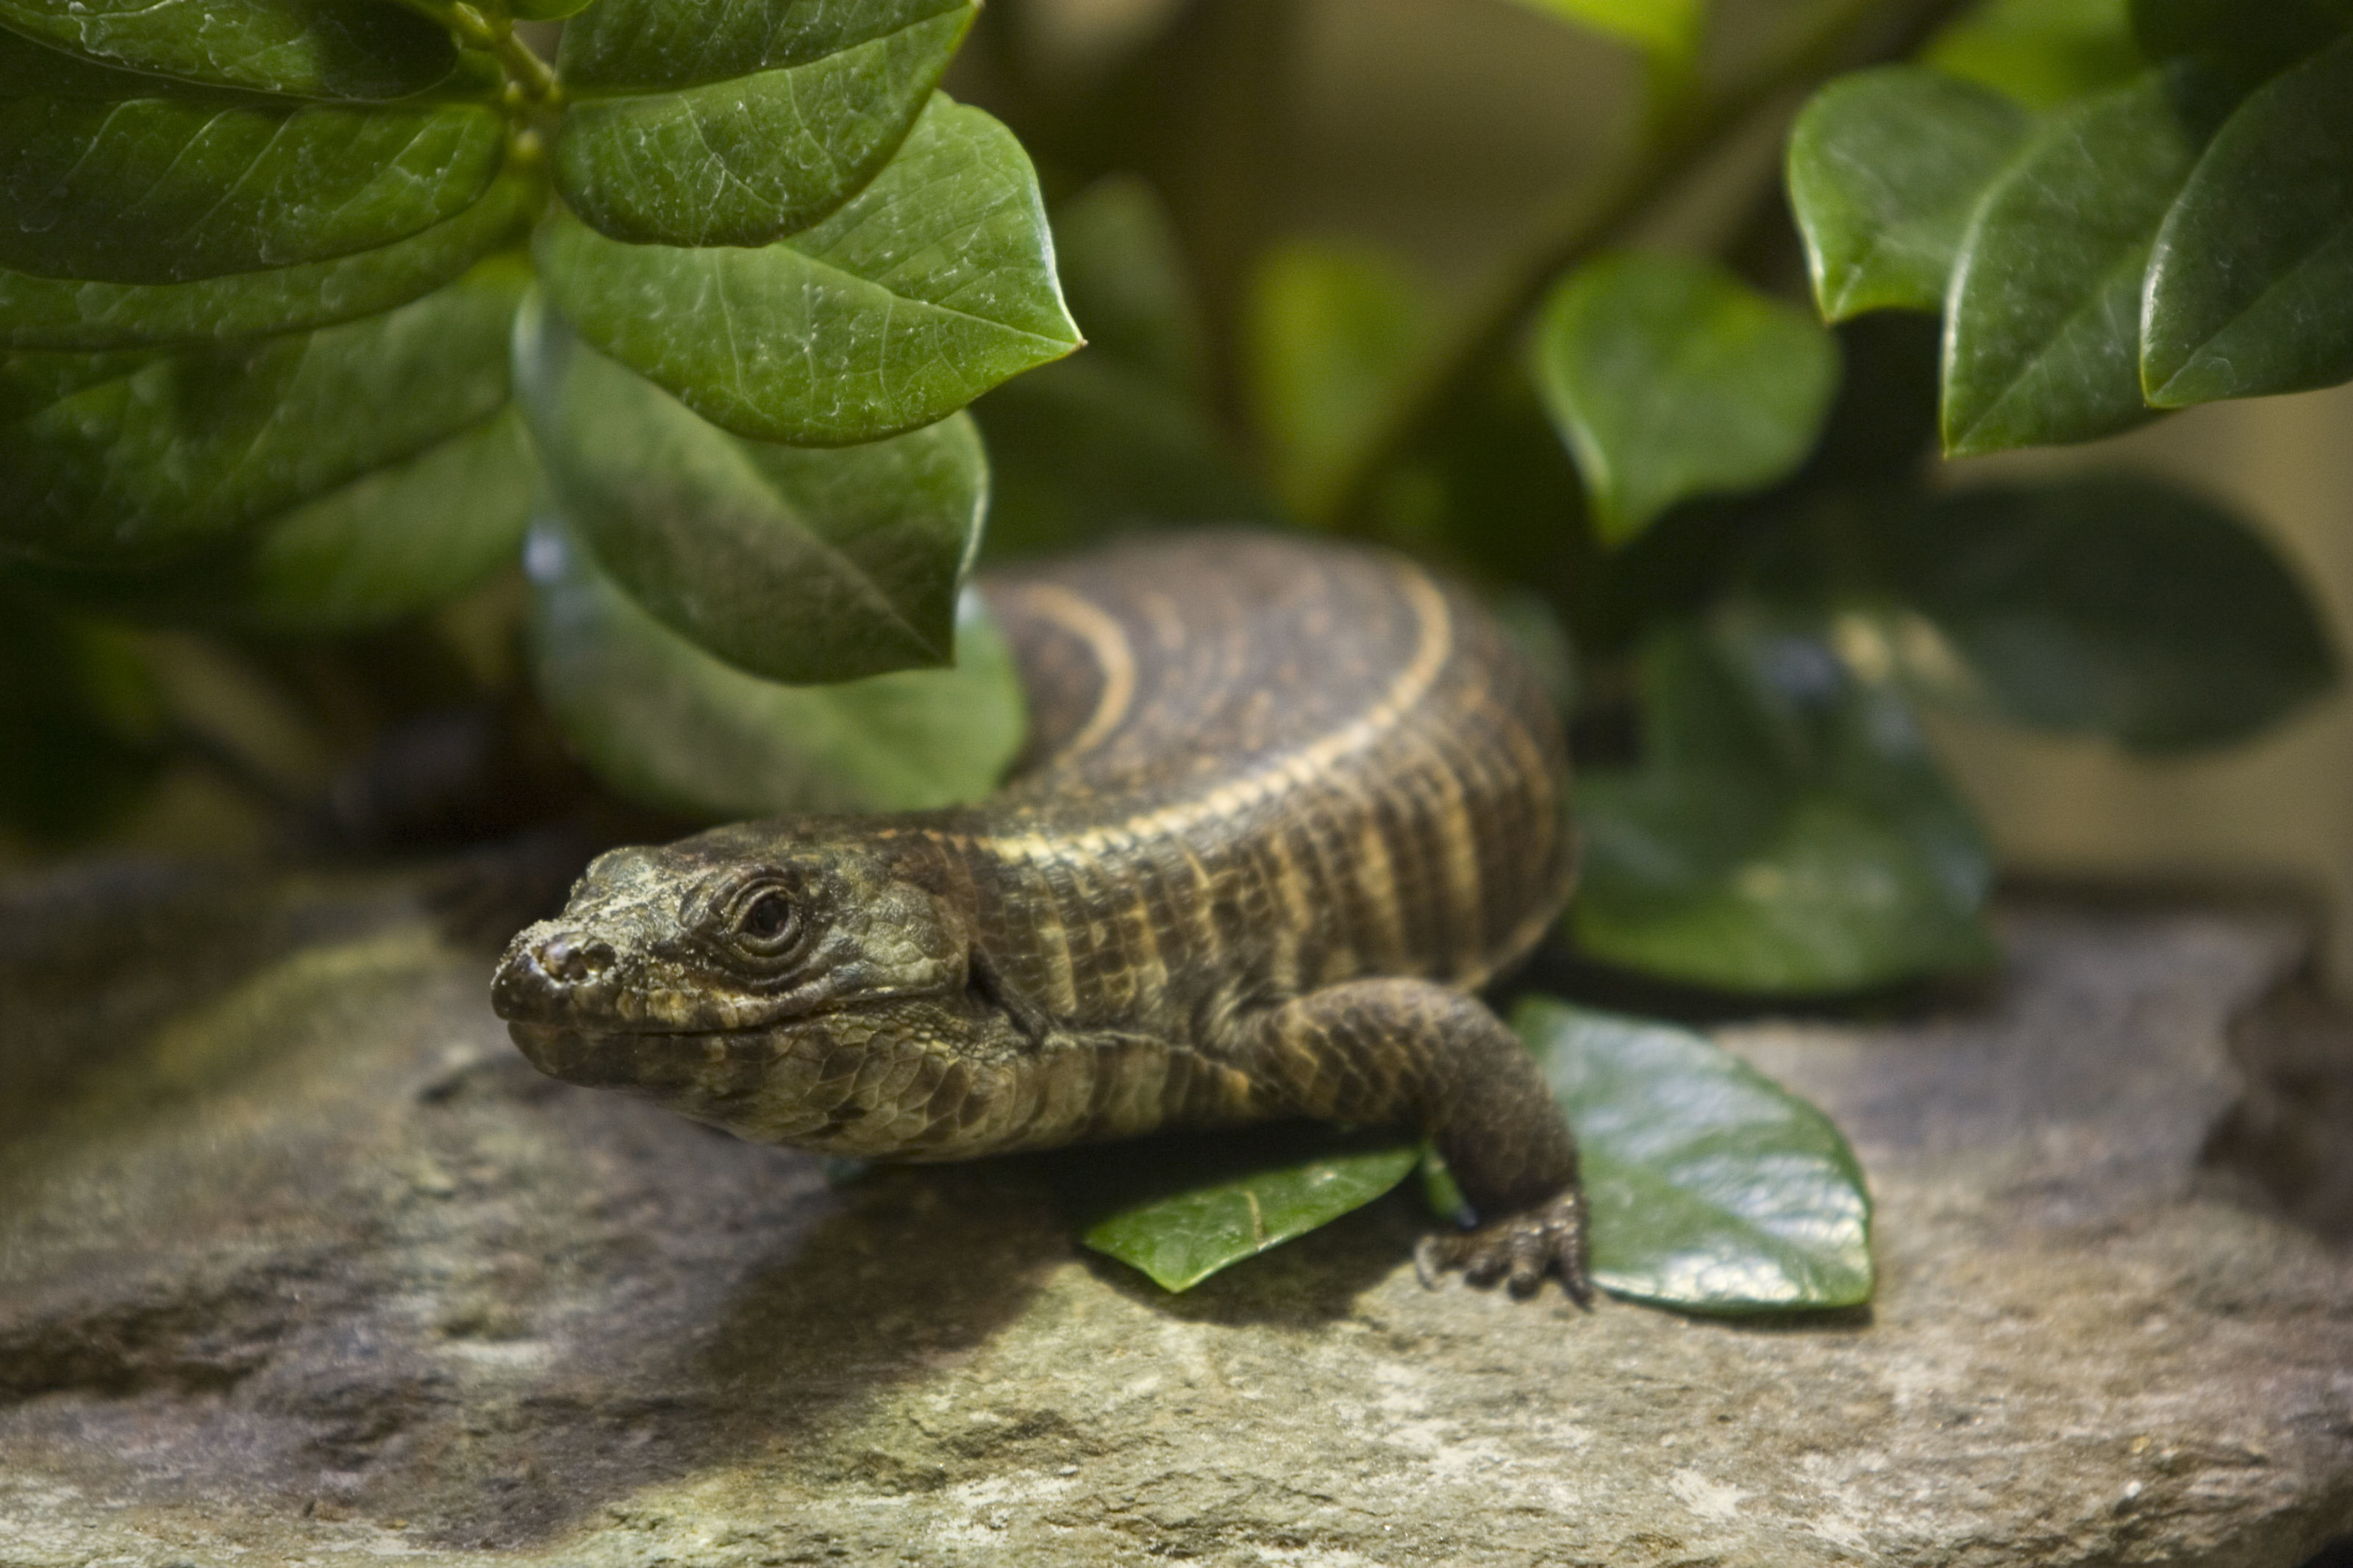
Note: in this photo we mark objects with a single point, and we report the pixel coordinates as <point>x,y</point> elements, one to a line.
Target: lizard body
<point>1282,804</point>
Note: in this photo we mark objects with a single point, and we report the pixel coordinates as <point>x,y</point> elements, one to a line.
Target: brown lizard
<point>1283,805</point>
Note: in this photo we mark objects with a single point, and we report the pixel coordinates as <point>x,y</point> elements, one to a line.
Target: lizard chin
<point>893,1078</point>
<point>716,1077</point>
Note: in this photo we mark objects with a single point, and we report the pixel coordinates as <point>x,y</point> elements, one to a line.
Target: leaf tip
<point>1617,524</point>
<point>1961,436</point>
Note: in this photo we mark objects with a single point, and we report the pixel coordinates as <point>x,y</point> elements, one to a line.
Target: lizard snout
<point>548,973</point>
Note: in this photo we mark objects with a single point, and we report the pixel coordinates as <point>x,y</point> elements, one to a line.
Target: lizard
<point>1285,804</point>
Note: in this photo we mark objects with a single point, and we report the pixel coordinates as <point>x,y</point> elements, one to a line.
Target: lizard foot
<point>1520,1248</point>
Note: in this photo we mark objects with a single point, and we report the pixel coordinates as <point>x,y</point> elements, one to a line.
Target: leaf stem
<point>489,28</point>
<point>1677,139</point>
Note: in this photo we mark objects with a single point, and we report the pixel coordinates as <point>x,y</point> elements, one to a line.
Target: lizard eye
<point>768,923</point>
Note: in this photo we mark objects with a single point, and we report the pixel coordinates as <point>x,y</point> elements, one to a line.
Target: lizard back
<point>1258,765</point>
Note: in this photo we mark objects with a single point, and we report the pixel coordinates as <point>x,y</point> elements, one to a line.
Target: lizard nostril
<point>565,959</point>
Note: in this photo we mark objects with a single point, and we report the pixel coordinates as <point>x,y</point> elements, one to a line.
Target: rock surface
<point>299,1261</point>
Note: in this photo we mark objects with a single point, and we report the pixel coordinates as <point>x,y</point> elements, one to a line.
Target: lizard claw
<point>1519,1248</point>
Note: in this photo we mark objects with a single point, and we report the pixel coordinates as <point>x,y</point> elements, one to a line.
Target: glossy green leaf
<point>1333,333</point>
<point>2042,335</point>
<point>121,461</point>
<point>1670,378</point>
<point>2245,42</point>
<point>1119,433</point>
<point>1181,1209</point>
<point>547,10</point>
<point>53,313</point>
<point>390,544</point>
<point>666,723</point>
<point>1789,830</point>
<point>31,70</point>
<point>361,49</point>
<point>687,129</point>
<point>2250,289</point>
<point>2043,53</point>
<point>1884,168</point>
<point>1712,1189</point>
<point>80,723</point>
<point>163,190</point>
<point>1669,30</point>
<point>795,562</point>
<point>932,285</point>
<point>2119,606</point>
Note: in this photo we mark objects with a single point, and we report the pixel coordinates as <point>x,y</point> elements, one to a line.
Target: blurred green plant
<point>312,310</point>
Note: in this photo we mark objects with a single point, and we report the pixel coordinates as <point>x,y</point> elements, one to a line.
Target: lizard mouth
<point>650,1062</point>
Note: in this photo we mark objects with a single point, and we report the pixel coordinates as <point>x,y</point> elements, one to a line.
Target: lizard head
<point>742,929</point>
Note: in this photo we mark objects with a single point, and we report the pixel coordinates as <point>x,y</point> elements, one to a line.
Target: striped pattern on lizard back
<point>1284,802</point>
<point>1261,766</point>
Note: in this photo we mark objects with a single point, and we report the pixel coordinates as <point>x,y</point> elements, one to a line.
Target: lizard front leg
<point>1408,1050</point>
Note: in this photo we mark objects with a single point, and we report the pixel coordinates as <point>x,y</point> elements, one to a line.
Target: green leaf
<point>547,10</point>
<point>933,284</point>
<point>797,564</point>
<point>1333,333</point>
<point>2042,336</point>
<point>1884,168</point>
<point>665,723</point>
<point>1670,378</point>
<point>2119,606</point>
<point>395,543</point>
<point>164,190</point>
<point>1712,1189</point>
<point>1182,1209</point>
<point>1823,896</point>
<point>689,129</point>
<point>80,723</point>
<point>1788,831</point>
<point>52,313</point>
<point>2245,42</point>
<point>361,49</point>
<point>1669,30</point>
<point>120,460</point>
<point>390,544</point>
<point>2250,289</point>
<point>2043,53</point>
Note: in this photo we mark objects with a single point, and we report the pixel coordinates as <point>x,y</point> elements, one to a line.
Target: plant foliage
<point>261,271</point>
<point>2180,236</point>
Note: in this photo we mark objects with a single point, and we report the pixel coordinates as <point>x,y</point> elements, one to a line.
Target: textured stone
<point>299,1261</point>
